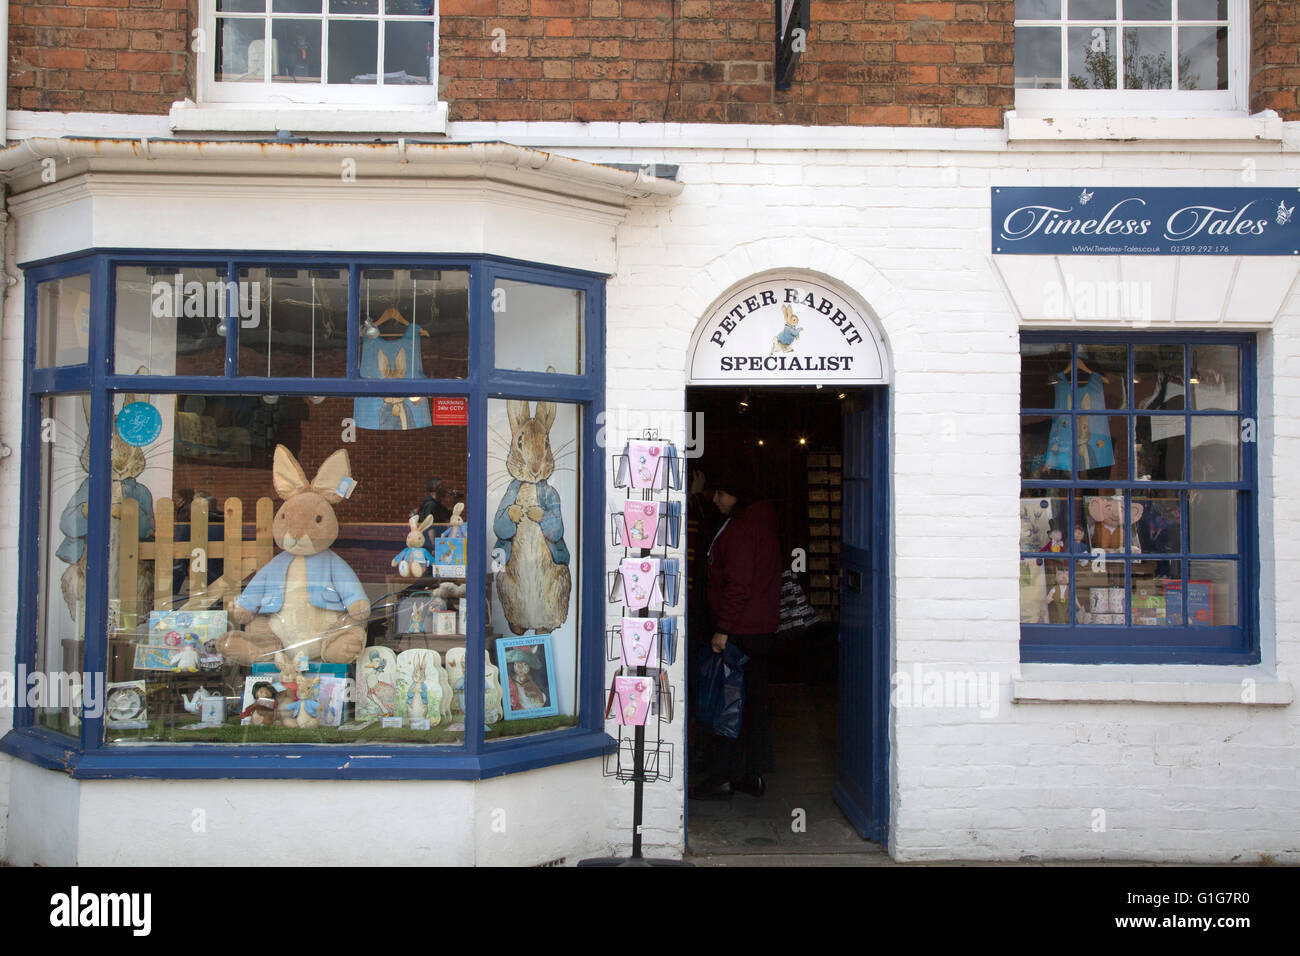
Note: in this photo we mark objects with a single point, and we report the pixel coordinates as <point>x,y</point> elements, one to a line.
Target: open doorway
<point>810,451</point>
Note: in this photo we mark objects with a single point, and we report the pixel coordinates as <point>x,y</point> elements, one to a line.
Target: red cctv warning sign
<point>451,411</point>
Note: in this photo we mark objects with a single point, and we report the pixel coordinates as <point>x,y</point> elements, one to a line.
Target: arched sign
<point>787,331</point>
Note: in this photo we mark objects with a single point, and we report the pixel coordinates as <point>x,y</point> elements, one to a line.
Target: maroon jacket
<point>745,573</point>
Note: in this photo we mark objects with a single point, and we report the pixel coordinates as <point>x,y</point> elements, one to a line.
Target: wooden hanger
<point>391,314</point>
<point>1082,366</point>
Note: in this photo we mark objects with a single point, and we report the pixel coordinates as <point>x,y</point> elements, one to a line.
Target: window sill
<point>1172,684</point>
<point>190,117</point>
<point>1069,127</point>
<point>202,762</point>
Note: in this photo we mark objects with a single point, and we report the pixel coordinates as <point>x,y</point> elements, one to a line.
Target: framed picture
<point>527,676</point>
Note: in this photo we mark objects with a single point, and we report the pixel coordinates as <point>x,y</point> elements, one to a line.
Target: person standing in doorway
<point>744,590</point>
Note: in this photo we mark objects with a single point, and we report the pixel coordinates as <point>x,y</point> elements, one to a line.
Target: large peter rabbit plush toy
<point>534,584</point>
<point>306,598</point>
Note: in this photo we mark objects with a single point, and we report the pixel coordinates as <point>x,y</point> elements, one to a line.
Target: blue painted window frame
<point>476,758</point>
<point>1086,644</point>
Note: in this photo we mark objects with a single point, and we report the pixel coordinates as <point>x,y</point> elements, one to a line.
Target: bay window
<point>323,508</point>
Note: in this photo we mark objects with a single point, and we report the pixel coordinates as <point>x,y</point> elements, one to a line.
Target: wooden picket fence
<point>239,557</point>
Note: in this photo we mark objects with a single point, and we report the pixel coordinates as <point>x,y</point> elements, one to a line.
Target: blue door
<point>863,714</point>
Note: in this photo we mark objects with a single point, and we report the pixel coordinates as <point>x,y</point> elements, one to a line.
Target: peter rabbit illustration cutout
<point>129,461</point>
<point>419,687</point>
<point>306,599</point>
<point>537,485</point>
<point>376,684</point>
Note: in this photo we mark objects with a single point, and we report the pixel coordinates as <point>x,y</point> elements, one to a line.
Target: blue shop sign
<point>1159,221</point>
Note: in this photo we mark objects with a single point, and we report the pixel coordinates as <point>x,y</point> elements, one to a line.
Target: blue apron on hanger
<point>393,413</point>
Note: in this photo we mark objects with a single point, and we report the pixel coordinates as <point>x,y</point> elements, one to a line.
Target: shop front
<point>309,496</point>
<point>1034,492</point>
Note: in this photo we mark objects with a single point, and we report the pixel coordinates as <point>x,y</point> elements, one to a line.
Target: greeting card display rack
<point>647,583</point>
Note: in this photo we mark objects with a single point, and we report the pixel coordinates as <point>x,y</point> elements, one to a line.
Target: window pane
<point>1103,376</point>
<point>1203,9</point>
<point>538,328</point>
<point>61,589</point>
<point>1216,377</point>
<point>171,320</point>
<point>1148,58</point>
<point>296,6</point>
<point>1203,58</point>
<point>1158,374</point>
<point>63,322</point>
<point>1216,454</point>
<point>1159,445</point>
<point>1042,366</point>
<point>1148,9</point>
<point>354,6</point>
<point>418,319</point>
<point>1038,58</point>
<point>1212,593</point>
<point>296,324</point>
<point>1059,594</point>
<point>1101,593</point>
<point>1092,58</point>
<point>409,7</point>
<point>1212,521</point>
<point>354,51</point>
<point>1159,526</point>
<point>531,519</point>
<point>241,51</point>
<point>297,50</point>
<point>1045,447</point>
<point>1092,9</point>
<point>228,574</point>
<point>1043,521</point>
<point>1038,9</point>
<point>1102,514</point>
<point>1151,592</point>
<point>409,52</point>
<point>241,6</point>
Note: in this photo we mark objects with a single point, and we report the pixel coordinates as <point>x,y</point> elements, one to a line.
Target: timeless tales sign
<point>787,332</point>
<point>1153,221</point>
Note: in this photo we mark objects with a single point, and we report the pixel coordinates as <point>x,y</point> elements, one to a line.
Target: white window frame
<point>1148,102</point>
<point>269,94</point>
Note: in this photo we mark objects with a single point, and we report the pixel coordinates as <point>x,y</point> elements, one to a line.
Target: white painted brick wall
<point>908,232</point>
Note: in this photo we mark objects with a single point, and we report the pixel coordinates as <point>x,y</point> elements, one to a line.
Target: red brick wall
<point>1275,57</point>
<point>99,56</point>
<point>867,63</point>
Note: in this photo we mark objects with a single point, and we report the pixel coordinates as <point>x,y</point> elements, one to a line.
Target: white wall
<point>905,228</point>
<point>908,232</point>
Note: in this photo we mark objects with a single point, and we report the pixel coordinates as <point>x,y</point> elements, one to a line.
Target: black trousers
<point>749,754</point>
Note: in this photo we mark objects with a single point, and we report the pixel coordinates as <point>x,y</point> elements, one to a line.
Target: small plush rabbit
<point>305,710</point>
<point>412,561</point>
<point>306,597</point>
<point>534,583</point>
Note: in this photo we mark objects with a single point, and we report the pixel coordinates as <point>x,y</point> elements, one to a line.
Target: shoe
<point>712,790</point>
<point>754,785</point>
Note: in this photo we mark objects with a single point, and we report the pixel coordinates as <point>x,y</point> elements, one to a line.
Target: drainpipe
<point>4,75</point>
